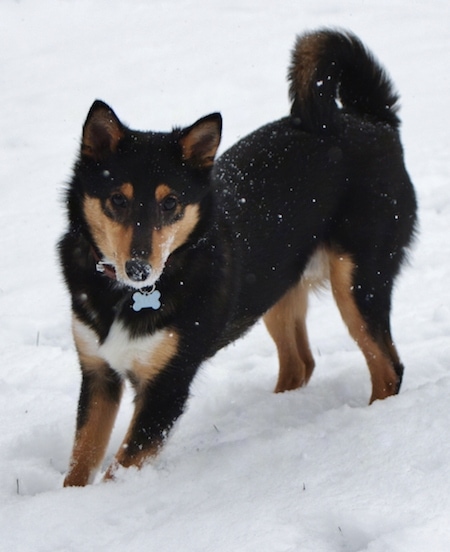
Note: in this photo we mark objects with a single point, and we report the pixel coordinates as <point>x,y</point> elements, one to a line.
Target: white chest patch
<point>123,353</point>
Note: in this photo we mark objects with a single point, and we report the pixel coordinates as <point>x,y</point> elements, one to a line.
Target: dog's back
<point>328,180</point>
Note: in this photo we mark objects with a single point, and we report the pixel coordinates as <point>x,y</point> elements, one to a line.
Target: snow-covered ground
<point>245,470</point>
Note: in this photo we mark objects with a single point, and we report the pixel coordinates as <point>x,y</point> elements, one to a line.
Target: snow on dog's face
<point>141,192</point>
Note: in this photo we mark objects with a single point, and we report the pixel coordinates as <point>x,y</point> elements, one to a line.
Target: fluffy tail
<point>332,72</point>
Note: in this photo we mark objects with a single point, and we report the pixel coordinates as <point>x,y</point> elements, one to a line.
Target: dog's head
<point>141,192</point>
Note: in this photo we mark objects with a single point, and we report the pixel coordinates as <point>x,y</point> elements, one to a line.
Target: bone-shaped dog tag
<point>146,300</point>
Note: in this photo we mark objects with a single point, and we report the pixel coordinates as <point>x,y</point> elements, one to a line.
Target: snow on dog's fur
<point>151,213</point>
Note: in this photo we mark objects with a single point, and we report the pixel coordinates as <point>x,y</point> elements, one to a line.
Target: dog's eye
<point>169,203</point>
<point>118,200</point>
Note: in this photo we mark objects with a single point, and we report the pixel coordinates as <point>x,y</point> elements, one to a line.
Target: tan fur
<point>136,461</point>
<point>142,373</point>
<point>306,57</point>
<point>91,440</point>
<point>286,324</point>
<point>168,238</point>
<point>123,458</point>
<point>144,370</point>
<point>127,190</point>
<point>113,239</point>
<point>143,357</point>
<point>161,192</point>
<point>384,378</point>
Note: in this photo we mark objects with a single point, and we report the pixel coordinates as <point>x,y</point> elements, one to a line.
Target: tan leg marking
<point>384,378</point>
<point>92,438</point>
<point>142,374</point>
<point>91,441</point>
<point>286,324</point>
<point>125,460</point>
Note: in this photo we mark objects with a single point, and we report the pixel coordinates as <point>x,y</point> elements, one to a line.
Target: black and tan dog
<point>169,257</point>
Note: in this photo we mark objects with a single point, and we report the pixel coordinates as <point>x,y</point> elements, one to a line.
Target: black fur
<point>338,67</point>
<point>326,176</point>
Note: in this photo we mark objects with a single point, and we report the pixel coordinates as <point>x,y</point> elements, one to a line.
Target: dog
<point>170,255</point>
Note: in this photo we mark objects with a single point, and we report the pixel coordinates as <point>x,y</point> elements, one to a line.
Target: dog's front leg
<point>100,395</point>
<point>158,404</point>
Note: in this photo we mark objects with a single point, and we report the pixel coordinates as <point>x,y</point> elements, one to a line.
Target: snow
<point>245,469</point>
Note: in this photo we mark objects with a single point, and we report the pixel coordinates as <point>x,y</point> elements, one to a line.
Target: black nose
<point>138,271</point>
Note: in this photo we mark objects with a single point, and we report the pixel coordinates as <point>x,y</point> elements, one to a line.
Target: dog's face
<point>141,192</point>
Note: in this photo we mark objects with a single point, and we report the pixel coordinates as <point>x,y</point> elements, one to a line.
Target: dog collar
<point>106,269</point>
<point>102,266</point>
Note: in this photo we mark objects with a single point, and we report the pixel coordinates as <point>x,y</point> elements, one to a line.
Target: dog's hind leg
<point>363,299</point>
<point>286,324</point>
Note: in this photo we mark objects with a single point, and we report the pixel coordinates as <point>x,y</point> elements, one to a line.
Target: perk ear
<point>200,141</point>
<point>102,131</point>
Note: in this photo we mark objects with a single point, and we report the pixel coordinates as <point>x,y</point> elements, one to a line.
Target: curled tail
<point>333,71</point>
